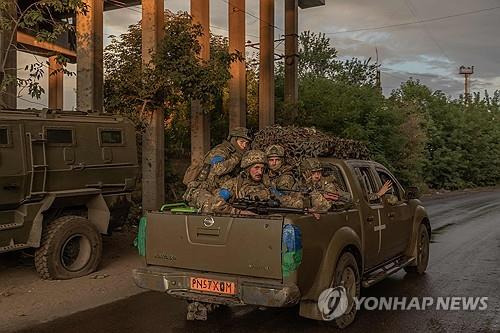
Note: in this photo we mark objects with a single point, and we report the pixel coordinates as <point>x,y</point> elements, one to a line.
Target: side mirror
<point>412,193</point>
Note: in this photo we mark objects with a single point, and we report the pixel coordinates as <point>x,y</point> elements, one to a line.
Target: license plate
<point>212,286</point>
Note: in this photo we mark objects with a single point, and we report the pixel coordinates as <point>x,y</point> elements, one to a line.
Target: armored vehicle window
<point>59,135</point>
<point>111,137</point>
<point>4,136</point>
<point>385,177</point>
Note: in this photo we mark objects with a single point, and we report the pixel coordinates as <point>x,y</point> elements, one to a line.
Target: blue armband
<point>216,159</point>
<point>225,194</point>
<point>275,192</point>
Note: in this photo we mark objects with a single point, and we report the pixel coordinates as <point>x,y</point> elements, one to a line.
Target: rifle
<point>265,207</point>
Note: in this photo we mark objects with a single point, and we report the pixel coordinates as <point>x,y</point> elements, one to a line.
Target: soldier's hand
<point>386,187</point>
<point>331,196</point>
<point>315,214</point>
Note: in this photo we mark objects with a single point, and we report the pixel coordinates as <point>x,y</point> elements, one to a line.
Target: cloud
<point>431,52</point>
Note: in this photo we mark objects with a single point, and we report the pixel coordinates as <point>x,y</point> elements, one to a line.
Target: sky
<point>453,33</point>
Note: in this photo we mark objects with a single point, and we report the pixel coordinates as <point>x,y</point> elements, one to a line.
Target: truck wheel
<point>70,247</point>
<point>347,276</point>
<point>422,252</point>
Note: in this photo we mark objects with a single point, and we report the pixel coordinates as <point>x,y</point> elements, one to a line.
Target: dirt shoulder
<point>26,300</point>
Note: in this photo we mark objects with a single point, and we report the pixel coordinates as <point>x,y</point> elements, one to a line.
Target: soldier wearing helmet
<point>249,183</point>
<point>280,175</point>
<point>322,191</point>
<point>219,164</point>
<point>226,157</point>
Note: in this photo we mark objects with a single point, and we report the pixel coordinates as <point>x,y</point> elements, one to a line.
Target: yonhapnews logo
<point>333,303</point>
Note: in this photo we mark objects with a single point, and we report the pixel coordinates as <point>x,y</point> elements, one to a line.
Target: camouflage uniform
<point>317,189</point>
<point>241,186</point>
<point>220,164</point>
<point>282,178</point>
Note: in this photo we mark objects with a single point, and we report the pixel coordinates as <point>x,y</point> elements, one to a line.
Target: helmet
<point>275,151</point>
<point>252,157</point>
<point>239,132</point>
<point>310,164</point>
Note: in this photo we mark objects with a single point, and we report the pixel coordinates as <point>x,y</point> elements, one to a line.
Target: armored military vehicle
<point>284,259</point>
<point>65,177</point>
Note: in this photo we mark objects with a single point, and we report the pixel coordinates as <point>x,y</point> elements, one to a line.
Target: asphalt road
<point>465,261</point>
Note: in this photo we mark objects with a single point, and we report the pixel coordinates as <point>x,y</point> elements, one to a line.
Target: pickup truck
<point>282,260</point>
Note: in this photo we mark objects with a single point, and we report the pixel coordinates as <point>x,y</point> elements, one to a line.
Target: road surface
<point>465,261</point>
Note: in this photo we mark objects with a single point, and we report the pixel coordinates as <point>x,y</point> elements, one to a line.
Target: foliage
<point>44,19</point>
<point>425,137</point>
<point>174,77</point>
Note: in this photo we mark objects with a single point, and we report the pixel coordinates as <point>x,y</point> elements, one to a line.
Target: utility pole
<point>378,80</point>
<point>466,72</point>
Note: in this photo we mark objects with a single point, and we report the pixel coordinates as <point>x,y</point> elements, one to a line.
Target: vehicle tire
<point>347,275</point>
<point>422,252</point>
<point>71,247</point>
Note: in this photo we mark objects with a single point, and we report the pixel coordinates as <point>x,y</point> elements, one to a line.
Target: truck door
<point>397,215</point>
<point>373,224</point>
<point>12,166</point>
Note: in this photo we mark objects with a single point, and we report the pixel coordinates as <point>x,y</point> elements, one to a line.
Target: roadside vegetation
<point>425,137</point>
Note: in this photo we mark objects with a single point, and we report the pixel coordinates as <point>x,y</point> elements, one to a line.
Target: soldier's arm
<point>223,197</point>
<point>334,187</point>
<point>319,202</point>
<point>222,166</point>
<point>286,182</point>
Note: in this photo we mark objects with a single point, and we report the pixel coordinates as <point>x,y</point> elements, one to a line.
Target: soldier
<point>323,192</point>
<point>249,183</point>
<point>280,175</point>
<point>219,164</point>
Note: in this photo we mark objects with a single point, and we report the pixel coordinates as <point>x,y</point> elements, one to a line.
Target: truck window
<point>111,137</point>
<point>59,135</point>
<point>367,182</point>
<point>4,136</point>
<point>384,176</point>
<point>332,172</point>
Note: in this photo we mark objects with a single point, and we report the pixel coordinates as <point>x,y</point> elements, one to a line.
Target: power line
<point>413,22</point>
<point>412,10</point>
<point>253,15</point>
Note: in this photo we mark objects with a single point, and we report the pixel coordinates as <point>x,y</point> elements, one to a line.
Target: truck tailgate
<point>249,246</point>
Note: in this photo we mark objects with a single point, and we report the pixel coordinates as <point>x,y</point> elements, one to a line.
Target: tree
<point>319,67</point>
<point>175,76</point>
<point>47,21</point>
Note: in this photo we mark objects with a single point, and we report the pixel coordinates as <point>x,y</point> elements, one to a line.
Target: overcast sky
<point>430,51</point>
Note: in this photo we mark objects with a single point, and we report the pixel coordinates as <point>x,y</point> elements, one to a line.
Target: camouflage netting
<point>303,142</point>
